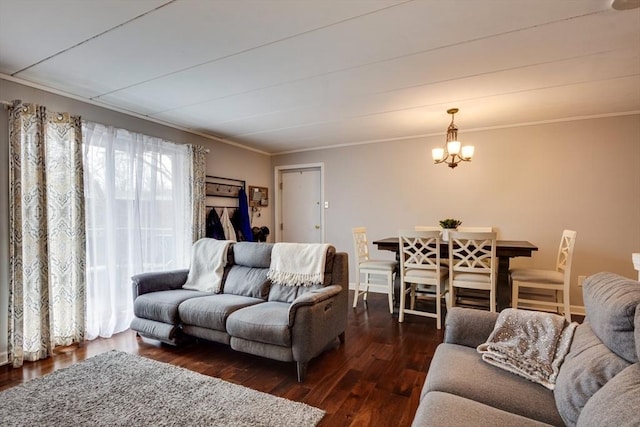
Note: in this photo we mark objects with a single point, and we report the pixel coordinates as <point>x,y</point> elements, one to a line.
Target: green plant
<point>450,223</point>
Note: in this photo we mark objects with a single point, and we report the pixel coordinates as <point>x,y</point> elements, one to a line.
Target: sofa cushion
<point>444,409</point>
<point>616,403</point>
<point>460,370</point>
<point>247,281</point>
<point>162,306</point>
<point>610,302</point>
<point>587,367</point>
<point>212,311</point>
<point>284,293</point>
<point>252,254</point>
<point>267,323</point>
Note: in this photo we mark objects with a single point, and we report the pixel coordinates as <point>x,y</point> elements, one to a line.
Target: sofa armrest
<point>468,327</point>
<point>313,297</point>
<point>317,320</point>
<point>158,281</point>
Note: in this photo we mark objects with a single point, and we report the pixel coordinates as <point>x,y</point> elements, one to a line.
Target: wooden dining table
<point>505,250</point>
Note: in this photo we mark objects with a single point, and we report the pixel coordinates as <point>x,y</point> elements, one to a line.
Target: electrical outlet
<point>581,280</point>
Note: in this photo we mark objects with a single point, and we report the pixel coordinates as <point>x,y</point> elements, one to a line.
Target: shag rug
<point>120,389</point>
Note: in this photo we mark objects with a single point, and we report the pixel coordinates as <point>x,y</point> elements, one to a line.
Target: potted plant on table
<point>449,224</point>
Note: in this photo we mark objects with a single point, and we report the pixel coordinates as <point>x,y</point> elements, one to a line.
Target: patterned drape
<point>46,232</point>
<point>197,176</point>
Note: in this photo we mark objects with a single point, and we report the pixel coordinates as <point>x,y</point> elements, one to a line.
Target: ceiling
<point>284,75</point>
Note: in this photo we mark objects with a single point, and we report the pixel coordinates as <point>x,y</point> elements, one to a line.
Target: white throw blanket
<point>298,264</point>
<point>208,259</point>
<point>531,344</point>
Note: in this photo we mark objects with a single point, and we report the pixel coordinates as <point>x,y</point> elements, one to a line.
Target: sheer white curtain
<point>138,214</point>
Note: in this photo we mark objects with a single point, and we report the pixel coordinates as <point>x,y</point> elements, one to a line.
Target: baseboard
<point>575,309</point>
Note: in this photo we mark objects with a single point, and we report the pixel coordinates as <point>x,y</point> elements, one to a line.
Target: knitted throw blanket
<point>531,344</point>
<point>298,264</point>
<point>208,258</point>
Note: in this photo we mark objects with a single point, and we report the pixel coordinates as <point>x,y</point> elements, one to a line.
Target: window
<point>138,215</point>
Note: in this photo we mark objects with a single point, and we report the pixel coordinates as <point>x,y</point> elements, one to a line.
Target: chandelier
<point>452,153</point>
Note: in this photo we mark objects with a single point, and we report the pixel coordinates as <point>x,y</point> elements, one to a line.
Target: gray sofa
<point>598,383</point>
<point>252,315</point>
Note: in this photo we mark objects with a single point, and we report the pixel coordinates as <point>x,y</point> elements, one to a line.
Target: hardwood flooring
<point>374,379</point>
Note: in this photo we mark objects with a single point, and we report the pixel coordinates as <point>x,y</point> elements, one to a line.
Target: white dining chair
<point>472,264</point>
<point>378,274</point>
<point>422,275</point>
<point>636,263</point>
<point>558,280</point>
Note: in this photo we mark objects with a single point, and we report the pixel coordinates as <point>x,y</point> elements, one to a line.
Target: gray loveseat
<point>252,315</point>
<point>597,385</point>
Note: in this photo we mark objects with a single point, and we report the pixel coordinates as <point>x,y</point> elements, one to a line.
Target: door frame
<point>277,200</point>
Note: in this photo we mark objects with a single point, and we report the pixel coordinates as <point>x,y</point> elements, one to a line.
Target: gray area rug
<point>120,389</point>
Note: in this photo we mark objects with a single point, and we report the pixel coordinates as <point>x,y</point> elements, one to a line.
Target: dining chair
<point>636,262</point>
<point>472,264</point>
<point>444,261</point>
<point>558,280</point>
<point>421,272</point>
<point>381,270</point>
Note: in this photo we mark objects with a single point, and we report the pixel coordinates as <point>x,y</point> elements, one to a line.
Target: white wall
<point>530,182</point>
<point>222,160</point>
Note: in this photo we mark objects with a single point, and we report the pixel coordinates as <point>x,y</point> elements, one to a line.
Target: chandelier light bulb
<point>453,147</point>
<point>467,151</point>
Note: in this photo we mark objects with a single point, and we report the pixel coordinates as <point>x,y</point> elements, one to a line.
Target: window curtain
<point>46,232</point>
<point>139,218</point>
<point>198,162</point>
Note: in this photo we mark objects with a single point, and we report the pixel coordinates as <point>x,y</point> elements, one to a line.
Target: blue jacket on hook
<point>245,222</point>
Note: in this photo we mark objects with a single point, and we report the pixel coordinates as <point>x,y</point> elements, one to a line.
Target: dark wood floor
<point>374,379</point>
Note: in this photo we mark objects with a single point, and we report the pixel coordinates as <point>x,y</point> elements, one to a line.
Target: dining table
<point>505,250</point>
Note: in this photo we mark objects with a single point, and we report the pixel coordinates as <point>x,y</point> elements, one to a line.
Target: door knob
<point>317,227</point>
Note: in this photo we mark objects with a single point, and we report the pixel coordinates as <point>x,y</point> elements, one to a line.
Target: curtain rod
<point>9,104</point>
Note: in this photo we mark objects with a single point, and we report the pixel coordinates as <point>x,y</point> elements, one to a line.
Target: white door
<point>301,210</point>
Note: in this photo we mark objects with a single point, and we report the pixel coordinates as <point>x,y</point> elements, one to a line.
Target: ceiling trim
<point>128,113</point>
<point>325,147</point>
<point>481,129</point>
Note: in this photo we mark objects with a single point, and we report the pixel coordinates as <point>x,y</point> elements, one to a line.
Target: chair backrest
<point>565,253</point>
<point>360,244</point>
<point>472,252</point>
<point>635,258</point>
<point>419,249</point>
